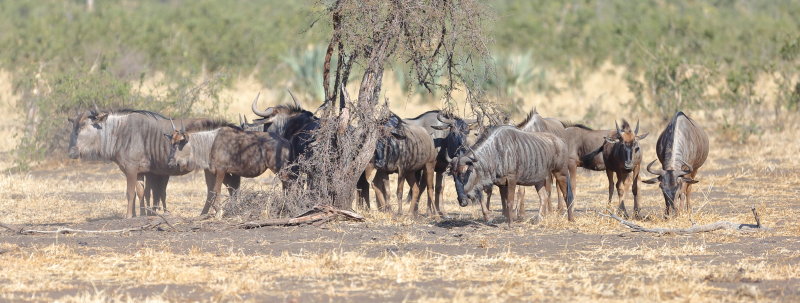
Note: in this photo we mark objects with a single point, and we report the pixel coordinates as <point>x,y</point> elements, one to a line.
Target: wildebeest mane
<point>527,119</point>
<point>573,124</point>
<point>197,125</point>
<point>154,115</point>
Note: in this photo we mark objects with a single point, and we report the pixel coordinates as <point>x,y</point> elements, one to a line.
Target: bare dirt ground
<point>400,259</point>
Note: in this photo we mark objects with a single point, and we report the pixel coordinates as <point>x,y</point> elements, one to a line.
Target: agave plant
<point>306,67</point>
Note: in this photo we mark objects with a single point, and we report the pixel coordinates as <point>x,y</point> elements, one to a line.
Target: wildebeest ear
<point>169,136</point>
<point>440,127</point>
<point>651,181</point>
<point>689,180</point>
<point>398,135</point>
<point>610,140</point>
<point>642,136</point>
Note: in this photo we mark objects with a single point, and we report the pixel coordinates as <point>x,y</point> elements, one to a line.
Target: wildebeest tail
<point>588,158</point>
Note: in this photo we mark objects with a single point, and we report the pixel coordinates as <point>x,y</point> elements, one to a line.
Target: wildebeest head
<point>463,170</point>
<point>85,140</point>
<point>180,151</point>
<point>626,144</point>
<point>456,139</point>
<point>671,182</point>
<point>387,148</point>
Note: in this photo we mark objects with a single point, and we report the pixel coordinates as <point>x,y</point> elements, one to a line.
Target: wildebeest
<point>227,153</point>
<point>407,150</point>
<point>506,156</point>
<point>682,148</point>
<point>133,140</point>
<point>534,122</point>
<point>292,123</point>
<point>622,157</point>
<point>449,134</point>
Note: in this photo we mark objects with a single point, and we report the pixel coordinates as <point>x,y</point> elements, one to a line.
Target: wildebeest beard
<point>463,198</point>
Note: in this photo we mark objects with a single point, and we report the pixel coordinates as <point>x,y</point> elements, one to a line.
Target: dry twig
<point>695,228</point>
<point>318,215</point>
<point>67,230</point>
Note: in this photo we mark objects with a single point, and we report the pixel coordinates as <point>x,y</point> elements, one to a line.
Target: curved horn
<point>293,98</point>
<point>655,172</point>
<point>617,126</point>
<point>254,107</point>
<point>96,109</point>
<point>241,122</point>
<point>183,128</point>
<point>444,119</point>
<point>173,124</point>
<point>636,131</point>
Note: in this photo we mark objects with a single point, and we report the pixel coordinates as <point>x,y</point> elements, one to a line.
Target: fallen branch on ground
<point>694,229</point>
<point>317,216</point>
<point>67,230</point>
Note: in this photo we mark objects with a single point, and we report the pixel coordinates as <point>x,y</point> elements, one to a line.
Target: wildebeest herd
<point>539,152</point>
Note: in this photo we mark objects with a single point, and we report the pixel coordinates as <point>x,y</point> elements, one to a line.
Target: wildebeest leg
<point>142,194</point>
<point>485,207</point>
<point>160,192</point>
<point>379,186</point>
<point>543,192</point>
<point>401,178</point>
<point>564,184</point>
<point>433,203</point>
<point>505,202</point>
<point>130,193</point>
<point>623,182</point>
<point>512,185</point>
<point>438,191</point>
<point>218,180</point>
<point>610,175</point>
<point>635,192</point>
<point>520,203</point>
<point>688,192</point>
<point>363,191</point>
<point>209,191</point>
<point>415,193</point>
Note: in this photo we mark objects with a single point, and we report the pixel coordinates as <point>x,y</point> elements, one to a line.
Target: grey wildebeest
<point>449,134</point>
<point>407,150</point>
<point>133,140</point>
<point>682,148</point>
<point>622,157</point>
<point>506,157</point>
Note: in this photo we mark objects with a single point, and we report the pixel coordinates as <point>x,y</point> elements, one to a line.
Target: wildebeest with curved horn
<point>506,156</point>
<point>682,148</point>
<point>406,150</point>
<point>622,157</point>
<point>133,140</point>
<point>449,134</point>
<point>227,152</point>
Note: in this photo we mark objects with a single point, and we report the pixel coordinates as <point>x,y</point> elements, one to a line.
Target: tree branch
<point>694,229</point>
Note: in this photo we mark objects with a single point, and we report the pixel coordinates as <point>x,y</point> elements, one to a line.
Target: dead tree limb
<point>67,230</point>
<point>318,215</point>
<point>695,228</point>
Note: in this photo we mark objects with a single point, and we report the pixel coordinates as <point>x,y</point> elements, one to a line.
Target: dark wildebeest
<point>292,123</point>
<point>449,134</point>
<point>623,157</point>
<point>227,152</point>
<point>133,140</point>
<point>682,149</point>
<point>506,156</point>
<point>407,150</point>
